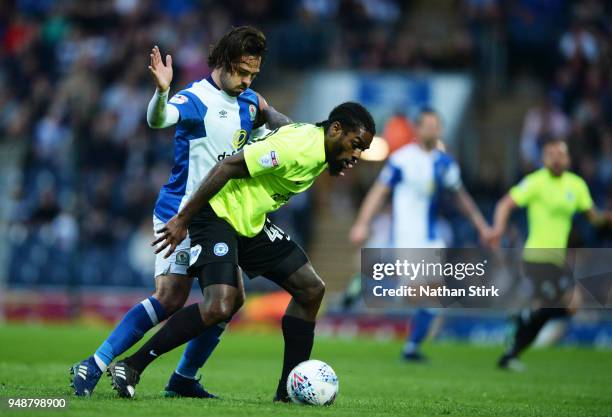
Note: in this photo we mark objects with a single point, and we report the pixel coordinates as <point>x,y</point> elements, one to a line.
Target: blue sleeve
<point>191,109</point>
<point>390,175</point>
<point>446,172</point>
<point>452,177</point>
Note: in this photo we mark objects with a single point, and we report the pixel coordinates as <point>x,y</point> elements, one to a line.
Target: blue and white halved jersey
<point>417,179</point>
<point>212,126</point>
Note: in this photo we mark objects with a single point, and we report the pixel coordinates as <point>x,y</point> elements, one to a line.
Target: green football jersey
<point>551,203</point>
<point>281,164</point>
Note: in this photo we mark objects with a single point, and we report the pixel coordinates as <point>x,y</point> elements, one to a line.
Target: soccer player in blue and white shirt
<point>214,119</point>
<point>417,174</point>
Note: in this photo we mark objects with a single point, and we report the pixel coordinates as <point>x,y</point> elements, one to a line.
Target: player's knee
<point>170,301</point>
<point>171,297</point>
<point>218,311</point>
<point>313,292</point>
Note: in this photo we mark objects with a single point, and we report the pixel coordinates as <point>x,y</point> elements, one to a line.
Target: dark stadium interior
<point>80,172</point>
<point>75,88</point>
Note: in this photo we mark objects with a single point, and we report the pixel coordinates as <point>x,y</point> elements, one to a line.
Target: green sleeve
<point>584,200</point>
<point>523,192</point>
<point>268,156</point>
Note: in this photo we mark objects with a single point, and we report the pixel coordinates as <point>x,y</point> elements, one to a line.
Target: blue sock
<point>198,351</point>
<point>136,322</point>
<point>421,321</point>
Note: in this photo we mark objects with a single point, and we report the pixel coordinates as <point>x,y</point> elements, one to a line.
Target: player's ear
<point>335,129</point>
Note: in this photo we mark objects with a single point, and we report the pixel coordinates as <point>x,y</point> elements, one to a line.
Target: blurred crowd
<point>74,89</point>
<point>577,105</point>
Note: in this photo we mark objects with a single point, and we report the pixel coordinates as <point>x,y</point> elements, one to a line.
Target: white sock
<point>100,363</point>
<point>410,347</point>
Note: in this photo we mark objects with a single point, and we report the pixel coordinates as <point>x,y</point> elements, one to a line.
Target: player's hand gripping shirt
<point>212,126</point>
<point>284,163</point>
<point>417,179</point>
<point>551,203</point>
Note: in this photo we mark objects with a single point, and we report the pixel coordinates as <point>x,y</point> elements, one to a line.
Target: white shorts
<point>178,262</point>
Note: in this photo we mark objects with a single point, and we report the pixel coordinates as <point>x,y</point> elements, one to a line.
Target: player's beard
<point>226,86</point>
<point>334,164</point>
<point>335,167</point>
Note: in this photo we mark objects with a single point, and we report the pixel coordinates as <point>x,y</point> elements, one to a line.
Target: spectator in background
<point>578,44</point>
<point>398,131</point>
<point>541,123</point>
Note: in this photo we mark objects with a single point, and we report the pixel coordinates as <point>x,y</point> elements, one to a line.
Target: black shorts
<point>550,283</point>
<point>271,253</point>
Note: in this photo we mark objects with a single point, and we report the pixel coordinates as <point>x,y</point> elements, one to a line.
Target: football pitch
<point>460,380</point>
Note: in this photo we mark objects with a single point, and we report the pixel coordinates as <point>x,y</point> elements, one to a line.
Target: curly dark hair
<point>238,42</point>
<point>351,117</point>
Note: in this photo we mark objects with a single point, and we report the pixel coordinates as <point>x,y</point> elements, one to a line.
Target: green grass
<point>460,380</point>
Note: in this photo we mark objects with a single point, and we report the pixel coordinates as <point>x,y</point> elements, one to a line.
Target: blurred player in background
<point>552,196</point>
<point>416,175</point>
<point>214,119</point>
<point>229,229</point>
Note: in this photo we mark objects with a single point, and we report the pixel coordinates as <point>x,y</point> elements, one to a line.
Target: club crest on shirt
<point>252,112</point>
<point>269,160</point>
<point>179,99</point>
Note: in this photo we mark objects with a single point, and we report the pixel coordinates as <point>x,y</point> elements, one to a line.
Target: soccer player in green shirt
<point>229,230</point>
<point>552,196</point>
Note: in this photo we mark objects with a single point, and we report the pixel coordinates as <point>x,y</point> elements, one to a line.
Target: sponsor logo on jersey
<point>222,114</point>
<point>269,160</point>
<point>179,99</point>
<point>252,112</point>
<point>220,249</point>
<point>182,258</point>
<point>282,198</point>
<point>240,139</point>
<point>224,155</point>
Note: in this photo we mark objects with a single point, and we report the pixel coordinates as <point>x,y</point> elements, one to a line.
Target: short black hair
<point>238,42</point>
<point>551,140</point>
<point>425,111</point>
<point>351,117</point>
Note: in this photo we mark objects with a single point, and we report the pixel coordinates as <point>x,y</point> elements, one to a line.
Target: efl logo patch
<point>269,160</point>
<point>220,249</point>
<point>195,253</point>
<point>179,99</point>
<point>252,112</point>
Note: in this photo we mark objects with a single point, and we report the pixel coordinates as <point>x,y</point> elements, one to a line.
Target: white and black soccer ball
<point>312,382</point>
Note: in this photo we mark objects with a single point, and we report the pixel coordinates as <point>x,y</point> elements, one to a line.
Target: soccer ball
<point>312,382</point>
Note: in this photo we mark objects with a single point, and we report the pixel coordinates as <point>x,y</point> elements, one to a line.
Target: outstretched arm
<point>503,209</point>
<point>270,116</point>
<point>598,218</point>
<point>159,114</point>
<point>175,231</point>
<point>471,211</point>
<point>370,206</point>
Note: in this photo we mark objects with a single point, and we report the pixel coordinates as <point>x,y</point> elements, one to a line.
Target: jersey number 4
<point>274,232</point>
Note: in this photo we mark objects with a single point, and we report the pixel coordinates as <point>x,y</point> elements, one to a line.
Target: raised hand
<point>162,74</point>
